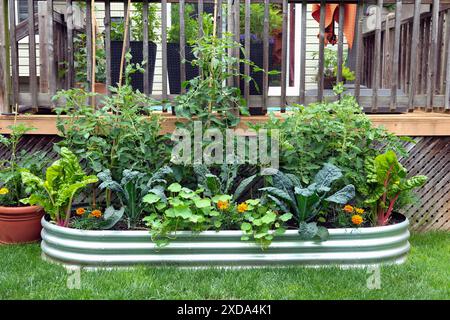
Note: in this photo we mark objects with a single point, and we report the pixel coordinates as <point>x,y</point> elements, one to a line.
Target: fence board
<point>32,55</point>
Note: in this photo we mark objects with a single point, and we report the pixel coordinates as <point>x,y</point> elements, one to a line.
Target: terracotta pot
<point>20,224</point>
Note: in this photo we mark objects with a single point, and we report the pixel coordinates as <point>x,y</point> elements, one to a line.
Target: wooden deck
<point>416,123</point>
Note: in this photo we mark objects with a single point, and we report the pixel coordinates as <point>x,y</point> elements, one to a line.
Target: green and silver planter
<point>345,247</point>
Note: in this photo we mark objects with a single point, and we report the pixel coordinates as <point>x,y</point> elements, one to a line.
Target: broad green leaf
<point>202,203</point>
<point>269,217</point>
<point>174,187</point>
<point>245,226</point>
<point>151,198</point>
<point>286,217</point>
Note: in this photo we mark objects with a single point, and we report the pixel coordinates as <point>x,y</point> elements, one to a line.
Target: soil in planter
<point>137,53</point>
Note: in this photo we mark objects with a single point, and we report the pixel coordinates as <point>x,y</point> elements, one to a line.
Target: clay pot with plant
<point>19,223</point>
<point>330,68</point>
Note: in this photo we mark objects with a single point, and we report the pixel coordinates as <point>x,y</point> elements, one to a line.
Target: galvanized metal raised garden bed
<point>356,247</point>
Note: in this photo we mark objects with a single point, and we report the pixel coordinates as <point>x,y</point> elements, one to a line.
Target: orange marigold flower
<point>357,219</point>
<point>359,210</point>
<point>242,207</point>
<point>348,208</point>
<point>80,211</point>
<point>96,214</point>
<point>223,205</point>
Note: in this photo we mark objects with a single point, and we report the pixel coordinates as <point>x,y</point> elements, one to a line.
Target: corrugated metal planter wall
<point>362,246</point>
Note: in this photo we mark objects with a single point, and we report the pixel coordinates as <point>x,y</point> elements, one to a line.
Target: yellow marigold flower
<point>223,205</point>
<point>357,219</point>
<point>242,207</point>
<point>96,214</point>
<point>348,208</point>
<point>359,210</point>
<point>80,211</point>
<point>4,191</point>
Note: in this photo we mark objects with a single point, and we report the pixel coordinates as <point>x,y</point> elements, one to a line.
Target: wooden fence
<point>408,73</point>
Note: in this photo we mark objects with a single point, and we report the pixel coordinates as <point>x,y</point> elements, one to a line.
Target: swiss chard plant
<point>388,180</point>
<point>56,192</point>
<point>307,202</point>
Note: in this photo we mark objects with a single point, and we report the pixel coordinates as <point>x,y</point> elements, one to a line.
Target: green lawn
<point>426,275</point>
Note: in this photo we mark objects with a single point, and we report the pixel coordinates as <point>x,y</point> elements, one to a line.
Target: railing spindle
<point>447,57</point>
<point>395,60</point>
<point>50,50</point>
<point>265,88</point>
<point>145,43</point>
<point>108,44</point>
<point>359,49</point>
<point>247,50</point>
<point>432,66</point>
<point>182,46</point>
<point>14,53</point>
<point>89,44</point>
<point>340,53</point>
<point>377,58</point>
<point>128,37</point>
<point>4,62</point>
<point>320,81</point>
<point>32,55</point>
<point>303,53</point>
<point>164,48</point>
<point>200,18</point>
<point>219,18</point>
<point>284,55</point>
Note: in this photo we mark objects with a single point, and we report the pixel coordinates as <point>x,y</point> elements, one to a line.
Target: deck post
<point>5,85</point>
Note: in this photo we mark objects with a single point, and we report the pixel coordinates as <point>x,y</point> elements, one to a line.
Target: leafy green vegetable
<point>63,179</point>
<point>306,203</point>
<point>388,180</point>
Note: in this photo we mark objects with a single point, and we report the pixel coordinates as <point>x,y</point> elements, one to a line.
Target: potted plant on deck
<point>19,223</point>
<point>136,45</point>
<point>330,68</point>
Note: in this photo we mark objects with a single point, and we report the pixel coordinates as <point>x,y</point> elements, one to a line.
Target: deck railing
<point>411,59</point>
